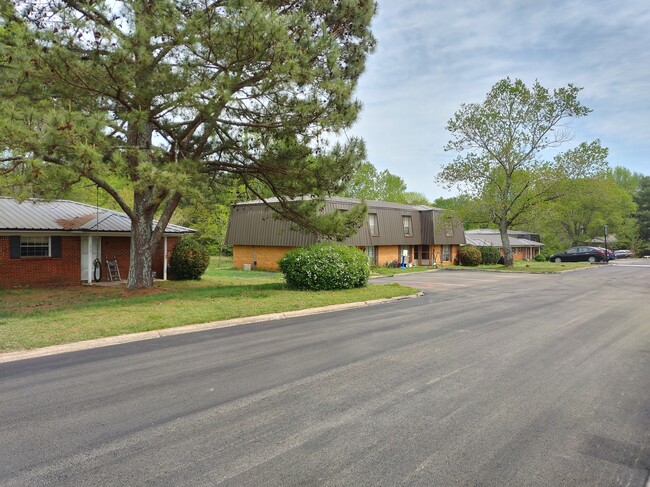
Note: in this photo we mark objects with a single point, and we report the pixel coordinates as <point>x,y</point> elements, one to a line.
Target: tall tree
<point>369,184</point>
<point>166,93</point>
<point>500,143</point>
<point>642,199</point>
<point>587,205</point>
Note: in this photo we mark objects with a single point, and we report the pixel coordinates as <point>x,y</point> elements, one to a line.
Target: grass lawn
<point>33,318</point>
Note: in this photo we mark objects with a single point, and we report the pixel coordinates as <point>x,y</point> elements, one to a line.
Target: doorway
<point>95,254</point>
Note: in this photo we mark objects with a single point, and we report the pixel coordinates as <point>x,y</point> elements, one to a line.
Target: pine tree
<point>168,93</point>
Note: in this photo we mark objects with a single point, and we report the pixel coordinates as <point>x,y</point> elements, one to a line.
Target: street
<point>489,379</point>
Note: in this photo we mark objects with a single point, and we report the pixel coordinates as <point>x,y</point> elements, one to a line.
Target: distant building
<point>524,245</point>
<point>423,234</point>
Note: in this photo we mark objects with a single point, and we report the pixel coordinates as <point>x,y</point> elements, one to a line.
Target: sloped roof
<point>253,223</point>
<point>64,215</point>
<point>494,240</point>
<point>351,201</point>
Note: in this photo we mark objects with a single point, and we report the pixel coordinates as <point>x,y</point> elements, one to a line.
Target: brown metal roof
<point>253,223</point>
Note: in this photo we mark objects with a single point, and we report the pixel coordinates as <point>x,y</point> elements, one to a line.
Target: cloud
<point>434,55</point>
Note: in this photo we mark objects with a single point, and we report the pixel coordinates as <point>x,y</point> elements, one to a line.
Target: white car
<point>623,254</point>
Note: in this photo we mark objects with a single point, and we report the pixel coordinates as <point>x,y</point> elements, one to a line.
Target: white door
<point>96,241</point>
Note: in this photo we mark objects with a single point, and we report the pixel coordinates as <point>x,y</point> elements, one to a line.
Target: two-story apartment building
<point>422,234</point>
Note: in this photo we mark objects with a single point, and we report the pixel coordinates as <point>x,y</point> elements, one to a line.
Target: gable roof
<point>66,216</point>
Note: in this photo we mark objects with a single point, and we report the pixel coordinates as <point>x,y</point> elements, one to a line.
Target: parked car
<point>623,254</point>
<point>580,254</point>
<point>611,255</point>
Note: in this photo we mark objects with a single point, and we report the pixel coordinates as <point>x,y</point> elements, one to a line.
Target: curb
<point>179,330</point>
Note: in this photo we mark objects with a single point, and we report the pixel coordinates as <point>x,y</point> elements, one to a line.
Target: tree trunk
<point>505,242</point>
<point>142,245</point>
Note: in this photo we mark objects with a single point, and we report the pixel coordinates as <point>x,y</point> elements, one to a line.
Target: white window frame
<point>407,224</point>
<point>28,242</point>
<point>446,253</point>
<point>373,224</point>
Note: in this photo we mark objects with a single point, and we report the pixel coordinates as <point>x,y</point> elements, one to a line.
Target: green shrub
<point>540,258</point>
<point>489,255</point>
<point>189,259</point>
<point>469,255</point>
<point>324,267</point>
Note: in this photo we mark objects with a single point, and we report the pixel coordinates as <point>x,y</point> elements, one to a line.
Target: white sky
<point>433,55</point>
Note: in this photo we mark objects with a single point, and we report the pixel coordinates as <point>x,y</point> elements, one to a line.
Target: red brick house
<point>524,245</point>
<point>45,243</point>
<point>423,235</point>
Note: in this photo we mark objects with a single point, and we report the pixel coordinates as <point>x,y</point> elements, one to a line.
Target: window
<point>371,253</point>
<point>34,246</point>
<point>425,252</point>
<point>416,254</point>
<point>373,224</point>
<point>407,223</point>
<point>446,253</point>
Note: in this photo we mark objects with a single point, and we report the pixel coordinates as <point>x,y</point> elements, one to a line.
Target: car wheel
<point>558,260</point>
<point>592,259</point>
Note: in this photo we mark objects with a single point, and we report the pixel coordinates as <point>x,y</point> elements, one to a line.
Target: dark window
<point>425,252</point>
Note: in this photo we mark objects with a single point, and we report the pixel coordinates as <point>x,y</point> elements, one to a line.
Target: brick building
<point>44,243</point>
<point>422,234</point>
<point>524,245</point>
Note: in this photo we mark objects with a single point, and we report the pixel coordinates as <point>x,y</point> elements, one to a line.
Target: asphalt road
<point>489,379</point>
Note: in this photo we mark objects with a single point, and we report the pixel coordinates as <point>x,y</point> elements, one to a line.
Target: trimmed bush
<point>541,258</point>
<point>469,255</point>
<point>324,267</point>
<point>189,259</point>
<point>489,255</point>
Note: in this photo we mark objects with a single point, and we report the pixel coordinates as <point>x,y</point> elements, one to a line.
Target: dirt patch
<point>136,293</point>
<point>50,299</point>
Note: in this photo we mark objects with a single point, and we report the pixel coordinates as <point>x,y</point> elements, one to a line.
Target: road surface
<point>489,379</point>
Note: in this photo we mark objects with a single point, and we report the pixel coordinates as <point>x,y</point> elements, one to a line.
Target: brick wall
<point>437,253</point>
<point>387,253</point>
<point>48,271</point>
<point>265,257</point>
<point>116,248</point>
<point>41,271</point>
<point>119,248</point>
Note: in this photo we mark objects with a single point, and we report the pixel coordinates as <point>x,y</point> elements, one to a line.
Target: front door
<point>95,254</point>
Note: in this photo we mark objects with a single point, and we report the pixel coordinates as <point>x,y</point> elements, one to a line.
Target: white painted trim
<point>165,259</point>
<point>89,259</point>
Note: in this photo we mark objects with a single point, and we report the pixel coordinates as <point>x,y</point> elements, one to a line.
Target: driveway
<point>444,280</point>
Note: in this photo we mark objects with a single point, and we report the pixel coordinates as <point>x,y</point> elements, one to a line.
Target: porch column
<point>164,258</point>
<point>89,259</point>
